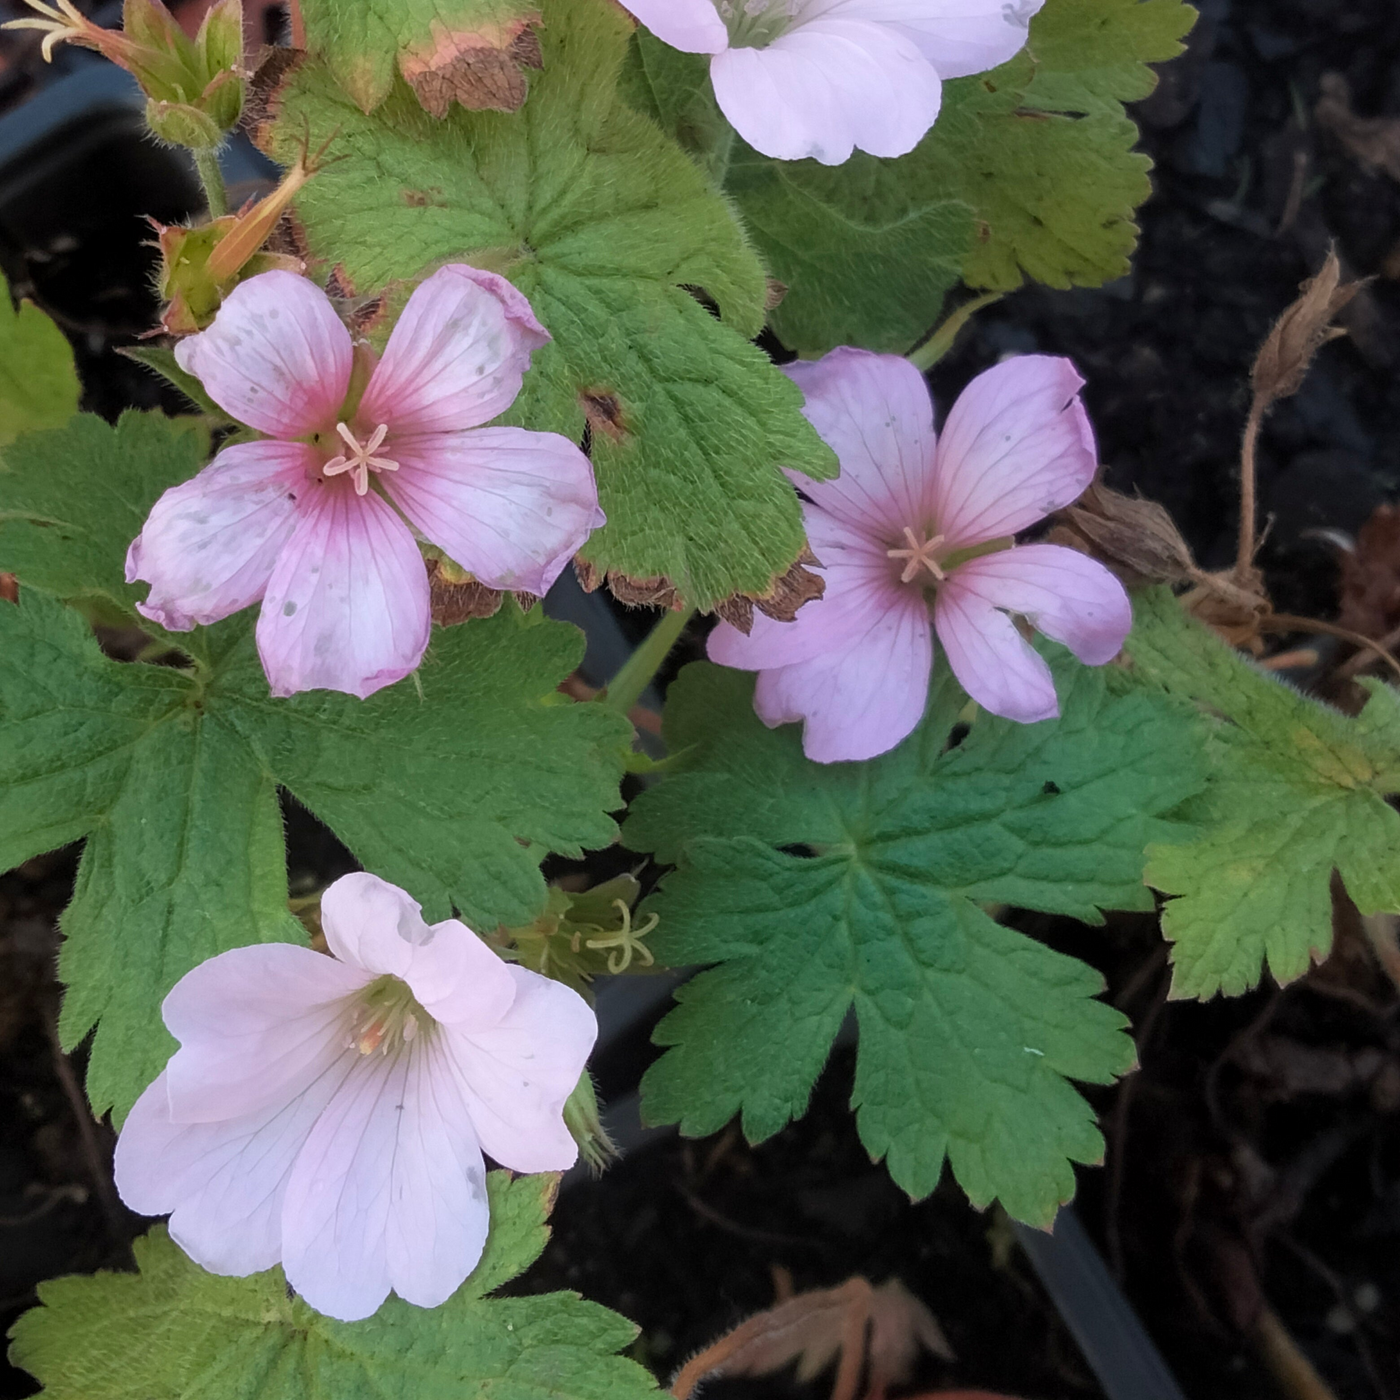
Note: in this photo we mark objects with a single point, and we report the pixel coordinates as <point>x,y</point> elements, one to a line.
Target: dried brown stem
<point>1290,622</point>
<point>1244,557</point>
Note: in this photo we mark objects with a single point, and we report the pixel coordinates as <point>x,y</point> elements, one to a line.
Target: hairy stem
<point>625,688</point>
<point>212,178</point>
<point>1244,559</point>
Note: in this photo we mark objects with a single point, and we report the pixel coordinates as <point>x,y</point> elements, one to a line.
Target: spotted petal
<point>276,357</point>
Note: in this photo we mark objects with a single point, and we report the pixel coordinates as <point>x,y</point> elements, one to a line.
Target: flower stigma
<point>921,554</point>
<point>386,1015</point>
<point>360,459</point>
<point>754,24</point>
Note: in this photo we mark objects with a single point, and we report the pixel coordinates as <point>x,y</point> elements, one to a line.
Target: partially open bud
<point>195,86</point>
<point>583,1120</point>
<point>201,265</point>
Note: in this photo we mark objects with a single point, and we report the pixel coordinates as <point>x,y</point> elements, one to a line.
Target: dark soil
<point>1253,1169</point>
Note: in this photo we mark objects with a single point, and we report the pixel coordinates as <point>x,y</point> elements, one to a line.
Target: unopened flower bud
<point>583,1120</point>
<point>194,85</point>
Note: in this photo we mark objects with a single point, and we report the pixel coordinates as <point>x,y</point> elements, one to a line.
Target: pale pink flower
<point>818,78</point>
<point>311,519</point>
<point>330,1113</point>
<point>918,528</point>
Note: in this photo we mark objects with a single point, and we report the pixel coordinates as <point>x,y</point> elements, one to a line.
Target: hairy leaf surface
<point>816,888</point>
<point>174,1332</point>
<point>607,227</point>
<point>468,51</point>
<point>1297,790</point>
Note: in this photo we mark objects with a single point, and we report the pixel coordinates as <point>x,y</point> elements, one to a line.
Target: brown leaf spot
<point>425,199</point>
<point>784,596</point>
<point>271,73</point>
<point>479,68</point>
<point>453,602</point>
<point>655,592</point>
<point>603,410</point>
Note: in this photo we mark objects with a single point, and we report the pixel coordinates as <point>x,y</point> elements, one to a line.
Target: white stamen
<point>360,460</point>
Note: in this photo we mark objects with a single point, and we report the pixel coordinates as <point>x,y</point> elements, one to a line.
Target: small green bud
<point>583,1120</point>
<point>183,125</point>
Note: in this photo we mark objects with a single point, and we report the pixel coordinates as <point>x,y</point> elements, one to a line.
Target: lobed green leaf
<point>818,888</point>
<point>174,1332</point>
<point>38,382</point>
<point>1297,790</point>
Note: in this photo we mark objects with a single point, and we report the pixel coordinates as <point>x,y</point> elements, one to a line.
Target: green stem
<point>929,352</point>
<point>212,178</point>
<point>625,688</point>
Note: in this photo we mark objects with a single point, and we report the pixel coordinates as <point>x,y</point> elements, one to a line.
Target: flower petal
<point>693,26</point>
<point>862,700</point>
<point>875,412</point>
<point>456,356</point>
<point>277,357</point>
<point>860,586</point>
<point>515,1076</point>
<point>253,1026</point>
<point>511,506</point>
<point>222,1184</point>
<point>1068,596</point>
<point>958,37</point>
<point>452,973</point>
<point>1017,445</point>
<point>347,605</point>
<point>827,87</point>
<point>389,1190</point>
<point>990,658</point>
<point>209,545</point>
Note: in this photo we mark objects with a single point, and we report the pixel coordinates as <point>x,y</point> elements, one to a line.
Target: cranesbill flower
<point>818,78</point>
<point>919,527</point>
<point>330,1113</point>
<point>311,518</point>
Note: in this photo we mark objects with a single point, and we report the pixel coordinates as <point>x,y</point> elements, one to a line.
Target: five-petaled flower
<point>311,519</point>
<point>919,527</point>
<point>331,1113</point>
<point>818,78</point>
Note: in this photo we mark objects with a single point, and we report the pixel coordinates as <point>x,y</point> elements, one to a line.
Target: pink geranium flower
<point>311,519</point>
<point>918,527</point>
<point>330,1114</point>
<point>818,78</point>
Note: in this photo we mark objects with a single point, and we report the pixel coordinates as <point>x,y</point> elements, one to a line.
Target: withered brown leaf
<point>875,1332</point>
<point>1303,329</point>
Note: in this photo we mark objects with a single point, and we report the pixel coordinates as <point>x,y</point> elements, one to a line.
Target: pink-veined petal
<point>209,545</point>
<point>693,26</point>
<point>392,1129</point>
<point>992,661</point>
<point>860,586</point>
<point>826,87</point>
<point>515,1076</point>
<point>511,506</point>
<point>863,700</point>
<point>456,356</point>
<point>958,37</point>
<point>454,976</point>
<point>252,1023</point>
<point>1017,445</point>
<point>347,606</point>
<point>439,1217</point>
<point>1071,598</point>
<point>276,357</point>
<point>222,1184</point>
<point>875,413</point>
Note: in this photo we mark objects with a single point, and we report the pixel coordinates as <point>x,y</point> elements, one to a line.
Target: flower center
<point>385,1017</point>
<point>359,459</point>
<point>921,553</point>
<point>753,24</point>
